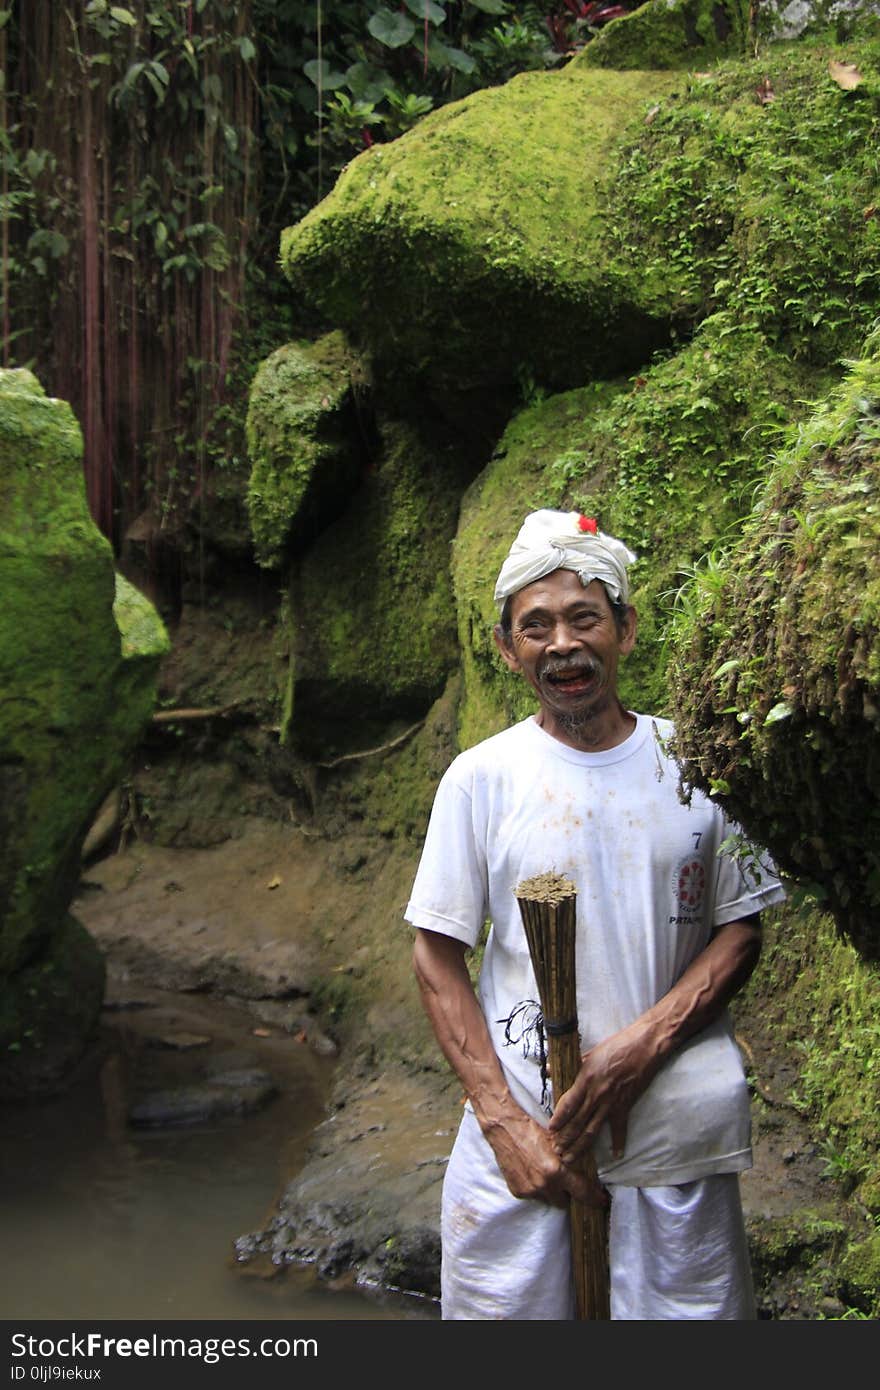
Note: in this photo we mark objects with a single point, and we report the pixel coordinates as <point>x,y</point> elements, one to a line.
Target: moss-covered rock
<point>860,1275</point>
<point>302,440</point>
<point>371,608</point>
<point>776,674</point>
<point>750,192</point>
<point>560,227</point>
<point>670,34</point>
<point>667,461</point>
<point>77,690</point>
<point>470,250</point>
<point>822,1001</point>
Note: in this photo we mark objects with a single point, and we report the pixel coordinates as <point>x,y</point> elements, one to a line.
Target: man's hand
<point>523,1148</point>
<point>612,1077</point>
<point>533,1168</point>
<point>618,1070</point>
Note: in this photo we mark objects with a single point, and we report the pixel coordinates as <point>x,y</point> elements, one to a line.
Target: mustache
<point>569,666</point>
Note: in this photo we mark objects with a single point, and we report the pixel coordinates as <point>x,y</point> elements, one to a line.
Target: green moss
<point>670,34</point>
<point>372,617</point>
<point>760,211</point>
<point>73,704</point>
<point>776,673</point>
<point>142,633</point>
<point>823,1001</point>
<point>495,243</point>
<point>301,435</point>
<point>860,1275</point>
<point>470,250</point>
<point>780,1243</point>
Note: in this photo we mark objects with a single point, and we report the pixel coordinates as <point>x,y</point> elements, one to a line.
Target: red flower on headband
<point>587,523</point>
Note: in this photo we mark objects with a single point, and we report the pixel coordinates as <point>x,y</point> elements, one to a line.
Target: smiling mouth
<point>574,681</point>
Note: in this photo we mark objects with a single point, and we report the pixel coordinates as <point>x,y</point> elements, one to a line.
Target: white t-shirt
<point>652,886</point>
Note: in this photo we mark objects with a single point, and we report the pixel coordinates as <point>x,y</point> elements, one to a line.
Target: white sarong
<point>675,1252</point>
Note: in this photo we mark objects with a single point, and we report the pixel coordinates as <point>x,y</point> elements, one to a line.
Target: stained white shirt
<point>653,883</point>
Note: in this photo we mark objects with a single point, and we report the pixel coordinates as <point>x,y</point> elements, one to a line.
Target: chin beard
<point>576,722</point>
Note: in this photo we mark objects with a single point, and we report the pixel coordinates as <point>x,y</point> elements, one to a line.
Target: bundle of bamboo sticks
<point>548,907</point>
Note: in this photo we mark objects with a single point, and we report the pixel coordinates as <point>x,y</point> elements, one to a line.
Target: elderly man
<point>668,930</point>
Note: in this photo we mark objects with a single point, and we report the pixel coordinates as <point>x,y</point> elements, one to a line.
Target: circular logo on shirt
<point>689,889</point>
<point>691,884</point>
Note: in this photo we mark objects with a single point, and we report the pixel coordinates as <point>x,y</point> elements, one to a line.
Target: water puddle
<point>104,1219</point>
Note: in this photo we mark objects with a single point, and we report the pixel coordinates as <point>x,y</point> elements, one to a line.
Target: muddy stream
<point>107,1214</point>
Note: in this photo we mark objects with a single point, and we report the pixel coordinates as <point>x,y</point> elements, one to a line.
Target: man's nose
<point>563,639</point>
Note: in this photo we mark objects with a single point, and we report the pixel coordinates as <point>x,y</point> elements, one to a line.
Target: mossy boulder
<point>469,252</point>
<point>371,608</point>
<point>303,440</point>
<point>562,227</point>
<point>748,195</point>
<point>821,1000</point>
<point>776,671</point>
<point>666,460</point>
<point>670,34</point>
<point>695,33</point>
<point>860,1276</point>
<point>78,661</point>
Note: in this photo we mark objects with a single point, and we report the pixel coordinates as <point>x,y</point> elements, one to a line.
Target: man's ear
<point>628,636</point>
<point>508,655</point>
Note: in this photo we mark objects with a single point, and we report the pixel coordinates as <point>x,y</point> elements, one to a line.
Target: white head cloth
<point>550,541</point>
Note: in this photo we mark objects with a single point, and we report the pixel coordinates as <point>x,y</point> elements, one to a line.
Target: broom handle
<point>589,1239</point>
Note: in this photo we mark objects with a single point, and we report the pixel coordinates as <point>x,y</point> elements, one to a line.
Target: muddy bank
<point>361,1205</point>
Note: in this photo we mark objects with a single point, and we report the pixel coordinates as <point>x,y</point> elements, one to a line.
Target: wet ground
<point>107,1216</point>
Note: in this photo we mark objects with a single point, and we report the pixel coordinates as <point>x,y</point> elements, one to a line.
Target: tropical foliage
<point>151,151</point>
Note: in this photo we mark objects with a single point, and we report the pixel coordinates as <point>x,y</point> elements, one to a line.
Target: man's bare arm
<point>616,1072</point>
<point>523,1148</point>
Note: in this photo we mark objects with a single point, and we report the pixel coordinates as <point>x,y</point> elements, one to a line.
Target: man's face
<point>567,644</point>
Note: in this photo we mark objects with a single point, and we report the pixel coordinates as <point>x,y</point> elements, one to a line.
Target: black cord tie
<point>529,1019</point>
<point>557,1029</point>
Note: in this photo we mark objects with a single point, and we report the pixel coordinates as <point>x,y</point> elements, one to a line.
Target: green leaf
<point>782,710</point>
<point>366,82</point>
<point>155,84</point>
<point>246,49</point>
<point>461,61</point>
<point>122,16</point>
<point>391,28</point>
<point>426,9</point>
<point>34,163</point>
<point>320,72</point>
<point>490,6</point>
<point>725,667</point>
<point>55,244</point>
